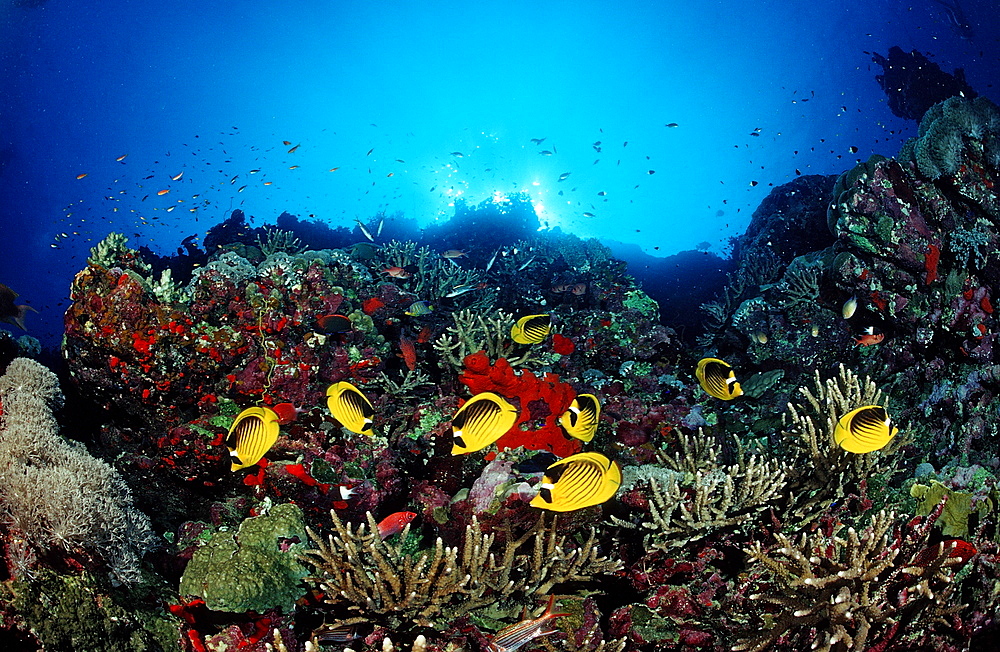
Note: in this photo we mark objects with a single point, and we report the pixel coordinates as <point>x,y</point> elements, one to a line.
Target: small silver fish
<point>460,290</point>
<point>364,231</point>
<point>526,263</point>
<point>489,265</point>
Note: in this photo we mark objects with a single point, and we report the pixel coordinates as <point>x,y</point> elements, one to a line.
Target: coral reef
<point>738,524</point>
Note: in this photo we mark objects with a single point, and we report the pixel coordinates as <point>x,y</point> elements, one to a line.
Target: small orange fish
<point>163,192</point>
<point>121,158</point>
<point>292,150</point>
<point>334,169</point>
<point>394,523</point>
<point>286,142</point>
<point>80,176</point>
<point>869,337</point>
<point>390,174</point>
<point>408,353</point>
<point>177,177</point>
<point>397,272</point>
<point>267,183</point>
<point>292,167</point>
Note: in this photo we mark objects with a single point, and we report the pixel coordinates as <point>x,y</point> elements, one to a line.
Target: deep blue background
<point>212,90</point>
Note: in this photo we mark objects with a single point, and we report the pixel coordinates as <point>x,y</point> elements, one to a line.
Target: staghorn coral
<point>474,332</point>
<point>383,581</point>
<point>799,285</point>
<point>838,591</point>
<point>702,496</point>
<point>435,277</point>
<point>51,490</point>
<point>820,471</point>
<point>279,241</point>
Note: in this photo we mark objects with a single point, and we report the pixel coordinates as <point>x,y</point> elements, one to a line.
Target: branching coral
<point>820,470</point>
<point>281,241</point>
<point>474,332</point>
<point>853,591</point>
<point>435,277</point>
<point>800,284</point>
<point>382,581</point>
<point>702,496</point>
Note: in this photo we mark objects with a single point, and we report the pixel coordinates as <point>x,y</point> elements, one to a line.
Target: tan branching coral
<point>823,471</point>
<point>475,332</point>
<point>380,580</point>
<point>841,592</point>
<point>702,496</point>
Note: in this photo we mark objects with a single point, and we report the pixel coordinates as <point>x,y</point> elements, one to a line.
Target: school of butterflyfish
<point>575,482</point>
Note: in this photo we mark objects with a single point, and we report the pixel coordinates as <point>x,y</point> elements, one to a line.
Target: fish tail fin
<point>19,317</point>
<point>547,614</point>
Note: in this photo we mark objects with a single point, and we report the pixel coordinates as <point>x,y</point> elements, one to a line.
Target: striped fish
<point>717,379</point>
<point>350,407</point>
<point>582,417</point>
<point>514,636</point>
<point>532,329</point>
<point>578,481</point>
<point>252,434</point>
<point>482,420</point>
<point>864,430</point>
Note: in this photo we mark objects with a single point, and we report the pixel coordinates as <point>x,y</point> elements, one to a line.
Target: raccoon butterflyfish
<point>864,430</point>
<point>578,481</point>
<point>532,329</point>
<point>581,419</point>
<point>350,407</point>
<point>252,434</point>
<point>481,421</point>
<point>717,379</point>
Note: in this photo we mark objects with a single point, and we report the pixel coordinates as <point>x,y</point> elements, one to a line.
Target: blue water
<point>211,90</point>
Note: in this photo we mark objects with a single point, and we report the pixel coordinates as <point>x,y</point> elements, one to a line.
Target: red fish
<point>957,549</point>
<point>286,412</point>
<point>869,337</point>
<point>409,353</point>
<point>394,523</point>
